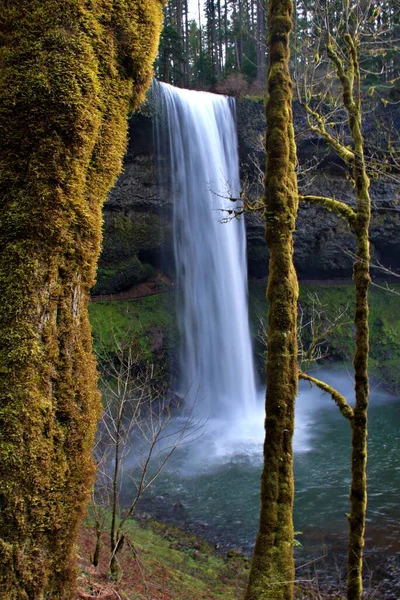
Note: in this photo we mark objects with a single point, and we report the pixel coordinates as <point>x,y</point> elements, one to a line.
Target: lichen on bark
<point>69,73</point>
<point>348,71</point>
<point>272,570</point>
<point>351,85</point>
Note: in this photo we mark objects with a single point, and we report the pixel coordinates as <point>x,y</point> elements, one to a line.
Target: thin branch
<point>345,154</point>
<point>336,206</point>
<point>337,397</point>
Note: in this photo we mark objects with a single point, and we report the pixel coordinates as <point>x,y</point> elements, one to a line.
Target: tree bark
<point>272,570</point>
<point>66,85</point>
<point>351,82</point>
<point>261,41</point>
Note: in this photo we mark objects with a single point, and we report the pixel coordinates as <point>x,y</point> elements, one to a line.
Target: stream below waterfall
<point>213,484</point>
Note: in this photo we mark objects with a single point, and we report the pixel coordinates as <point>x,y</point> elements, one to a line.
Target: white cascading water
<point>197,142</point>
<point>217,369</point>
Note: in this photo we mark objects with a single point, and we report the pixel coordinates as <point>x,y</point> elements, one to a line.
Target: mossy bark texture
<point>69,72</point>
<point>349,73</point>
<point>272,569</point>
<point>351,83</point>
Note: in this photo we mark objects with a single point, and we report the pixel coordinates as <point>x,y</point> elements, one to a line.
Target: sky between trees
<point>194,9</point>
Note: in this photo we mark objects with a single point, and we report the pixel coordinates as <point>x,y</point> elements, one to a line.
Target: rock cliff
<point>323,242</point>
<point>138,214</point>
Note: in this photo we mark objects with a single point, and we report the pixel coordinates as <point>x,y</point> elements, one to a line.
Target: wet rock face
<point>138,213</point>
<point>137,218</point>
<point>323,243</point>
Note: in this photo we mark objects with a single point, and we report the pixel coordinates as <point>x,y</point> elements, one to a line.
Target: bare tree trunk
<point>226,31</point>
<point>114,570</point>
<point>96,554</point>
<point>180,62</point>
<point>240,39</point>
<point>261,41</point>
<point>186,44</point>
<point>219,42</point>
<point>200,44</point>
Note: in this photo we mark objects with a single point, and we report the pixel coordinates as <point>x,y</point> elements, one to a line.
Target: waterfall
<point>197,132</point>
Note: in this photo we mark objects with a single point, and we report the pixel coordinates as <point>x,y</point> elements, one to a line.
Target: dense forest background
<point>225,49</point>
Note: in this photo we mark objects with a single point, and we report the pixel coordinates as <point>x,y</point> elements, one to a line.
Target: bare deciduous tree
<point>138,433</point>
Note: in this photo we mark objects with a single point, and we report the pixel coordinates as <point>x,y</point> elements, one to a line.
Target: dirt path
<point>161,285</point>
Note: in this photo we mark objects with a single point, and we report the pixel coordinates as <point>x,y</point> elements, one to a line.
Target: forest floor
<point>161,563</point>
<point>166,563</point>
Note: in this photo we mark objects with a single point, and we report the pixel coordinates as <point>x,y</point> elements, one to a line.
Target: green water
<point>215,480</point>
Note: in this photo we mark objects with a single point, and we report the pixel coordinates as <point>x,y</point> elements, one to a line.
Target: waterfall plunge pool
<point>212,484</point>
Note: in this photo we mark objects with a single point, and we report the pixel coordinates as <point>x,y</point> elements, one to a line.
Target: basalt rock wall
<point>137,240</point>
<point>323,242</point>
<point>137,243</point>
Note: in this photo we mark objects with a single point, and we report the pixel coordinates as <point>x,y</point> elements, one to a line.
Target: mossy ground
<point>136,318</point>
<point>384,321</point>
<point>164,564</point>
<point>167,563</point>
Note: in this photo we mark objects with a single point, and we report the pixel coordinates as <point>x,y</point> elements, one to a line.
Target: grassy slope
<point>163,564</point>
<point>141,318</point>
<point>137,318</point>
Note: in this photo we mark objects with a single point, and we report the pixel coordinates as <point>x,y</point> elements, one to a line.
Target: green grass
<point>135,318</point>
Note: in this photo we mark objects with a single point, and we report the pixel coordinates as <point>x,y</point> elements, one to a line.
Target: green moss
<point>137,318</point>
<point>194,569</point>
<point>272,568</point>
<point>125,240</point>
<point>65,88</point>
<point>111,280</point>
<point>125,237</point>
<point>384,319</point>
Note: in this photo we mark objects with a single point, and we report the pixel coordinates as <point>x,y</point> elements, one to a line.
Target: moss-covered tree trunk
<point>272,570</point>
<point>347,67</point>
<point>351,83</point>
<point>69,71</point>
<point>359,424</point>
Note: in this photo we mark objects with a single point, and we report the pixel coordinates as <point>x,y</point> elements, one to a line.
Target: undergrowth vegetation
<point>163,563</point>
<point>154,317</point>
<point>140,319</point>
<point>384,325</point>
